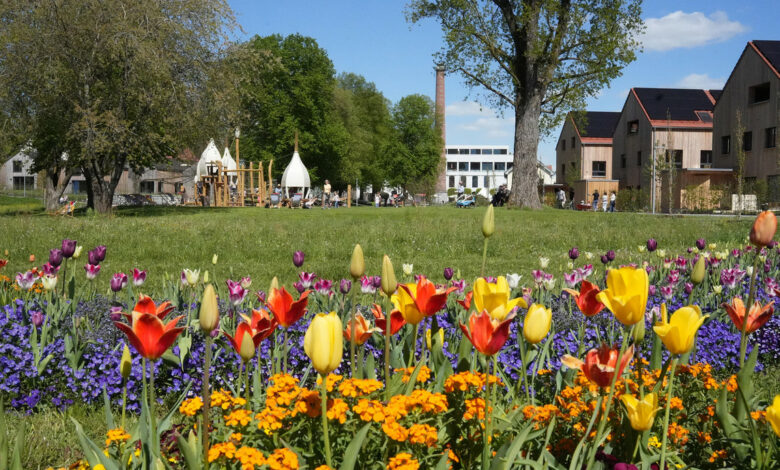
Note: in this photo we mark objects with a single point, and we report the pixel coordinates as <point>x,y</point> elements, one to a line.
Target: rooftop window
<point>758,93</point>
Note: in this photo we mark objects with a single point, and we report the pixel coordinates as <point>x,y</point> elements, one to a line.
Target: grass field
<point>260,242</point>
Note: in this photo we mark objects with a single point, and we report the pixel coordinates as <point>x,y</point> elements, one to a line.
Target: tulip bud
<point>205,277</point>
<point>209,310</point>
<point>639,332</point>
<point>214,259</point>
<point>274,284</point>
<point>345,286</point>
<point>357,266</point>
<point>699,270</point>
<point>126,363</point>
<point>247,349</point>
<point>701,243</point>
<point>574,253</point>
<point>298,258</point>
<point>448,273</point>
<point>37,318</point>
<point>324,343</point>
<point>32,258</point>
<point>389,284</point>
<point>488,222</point>
<point>77,252</point>
<point>652,244</point>
<point>764,228</point>
<point>537,323</point>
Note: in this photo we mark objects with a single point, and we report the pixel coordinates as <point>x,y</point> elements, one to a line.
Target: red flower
<point>487,335</point>
<point>427,298</point>
<point>397,320</point>
<point>261,324</point>
<point>3,262</point>
<point>242,329</point>
<point>599,365</point>
<point>285,311</point>
<point>147,332</point>
<point>586,299</point>
<point>466,303</point>
<point>363,330</point>
<point>756,317</point>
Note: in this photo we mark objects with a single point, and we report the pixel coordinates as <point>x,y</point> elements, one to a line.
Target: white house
<point>17,173</point>
<point>479,167</point>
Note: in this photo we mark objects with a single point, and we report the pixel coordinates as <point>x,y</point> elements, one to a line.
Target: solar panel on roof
<point>673,103</point>
<point>704,116</point>
<point>770,50</point>
<point>599,124</point>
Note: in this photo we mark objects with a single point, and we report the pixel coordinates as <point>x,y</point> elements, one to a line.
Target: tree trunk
<point>55,183</point>
<point>525,175</point>
<point>102,196</point>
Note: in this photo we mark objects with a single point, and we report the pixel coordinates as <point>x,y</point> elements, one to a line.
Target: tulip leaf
<point>3,439</point>
<point>353,449</point>
<point>72,287</point>
<point>413,379</point>
<point>16,458</point>
<point>370,367</point>
<point>443,463</point>
<point>42,365</point>
<point>190,450</point>
<point>107,410</point>
<point>165,423</point>
<point>731,430</point>
<point>745,385</point>
<point>92,452</point>
<point>505,457</point>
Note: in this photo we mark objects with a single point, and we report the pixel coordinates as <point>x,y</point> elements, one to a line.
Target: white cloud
<point>472,117</point>
<point>700,81</point>
<point>489,127</point>
<point>687,30</point>
<point>466,108</point>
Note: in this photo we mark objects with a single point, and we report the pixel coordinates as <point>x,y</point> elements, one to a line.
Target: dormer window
<point>633,127</point>
<point>758,93</point>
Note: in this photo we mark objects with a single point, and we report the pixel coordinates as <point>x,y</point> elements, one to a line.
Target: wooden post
<point>270,177</point>
<point>349,195</point>
<point>260,186</point>
<point>252,181</point>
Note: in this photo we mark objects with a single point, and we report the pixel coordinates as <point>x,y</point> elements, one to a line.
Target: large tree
<point>539,58</point>
<point>116,85</point>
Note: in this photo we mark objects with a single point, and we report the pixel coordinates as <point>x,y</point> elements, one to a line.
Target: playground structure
<point>241,187</point>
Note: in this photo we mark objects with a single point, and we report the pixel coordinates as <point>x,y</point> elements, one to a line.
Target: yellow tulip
<point>678,333</point>
<point>357,265</point>
<point>126,363</point>
<point>626,294</point>
<point>494,298</point>
<point>209,310</point>
<point>247,349</point>
<point>537,323</point>
<point>324,342</point>
<point>773,415</point>
<point>641,413</point>
<point>404,303</point>
<point>428,341</point>
<point>698,271</point>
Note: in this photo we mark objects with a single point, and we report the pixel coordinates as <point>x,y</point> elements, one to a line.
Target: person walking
<point>571,198</point>
<point>595,200</point>
<point>604,201</point>
<point>326,194</point>
<point>461,190</point>
<point>561,198</point>
<point>612,199</point>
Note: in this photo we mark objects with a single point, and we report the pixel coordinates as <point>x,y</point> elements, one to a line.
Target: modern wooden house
<point>752,91</point>
<point>673,128</point>
<point>583,156</point>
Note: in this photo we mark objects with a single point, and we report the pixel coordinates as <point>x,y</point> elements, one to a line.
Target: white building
<point>17,173</point>
<point>479,167</point>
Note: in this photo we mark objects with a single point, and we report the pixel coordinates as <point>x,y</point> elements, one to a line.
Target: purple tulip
<point>236,292</point>
<point>100,252</point>
<point>367,285</point>
<point>115,313</point>
<point>323,286</point>
<point>574,253</point>
<point>118,282</point>
<point>299,287</point>
<point>604,259</point>
<point>377,281</point>
<point>50,270</point>
<point>491,279</point>
<point>139,277</point>
<point>448,273</point>
<point>459,285</point>
<point>260,296</point>
<point>688,288</point>
<point>690,250</point>
<point>701,244</point>
<point>55,257</point>
<point>26,280</point>
<point>68,247</point>
<point>611,255</point>
<point>667,292</point>
<point>92,257</point>
<point>307,279</point>
<point>37,318</point>
<point>652,244</point>
<point>767,267</point>
<point>345,286</point>
<point>298,258</point>
<point>651,290</point>
<point>92,270</point>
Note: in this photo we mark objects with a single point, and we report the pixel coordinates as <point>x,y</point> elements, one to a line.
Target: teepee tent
<point>209,156</point>
<point>295,175</point>
<point>228,163</point>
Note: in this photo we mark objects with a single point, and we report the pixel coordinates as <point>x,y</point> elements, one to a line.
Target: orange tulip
<point>147,332</point>
<point>242,330</point>
<point>262,325</point>
<point>466,303</point>
<point>586,299</point>
<point>757,317</point>
<point>285,311</point>
<point>363,330</point>
<point>763,230</point>
<point>397,320</point>
<point>486,334</point>
<point>599,365</point>
<point>425,296</point>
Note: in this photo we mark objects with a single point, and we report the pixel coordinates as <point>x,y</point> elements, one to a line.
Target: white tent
<point>228,163</point>
<point>210,155</point>
<point>296,175</point>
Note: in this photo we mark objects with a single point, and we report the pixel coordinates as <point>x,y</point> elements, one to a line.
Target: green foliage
<point>632,200</point>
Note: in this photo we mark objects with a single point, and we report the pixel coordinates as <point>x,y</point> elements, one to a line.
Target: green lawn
<point>259,242</point>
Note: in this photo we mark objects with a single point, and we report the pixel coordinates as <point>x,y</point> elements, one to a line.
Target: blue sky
<point>691,44</point>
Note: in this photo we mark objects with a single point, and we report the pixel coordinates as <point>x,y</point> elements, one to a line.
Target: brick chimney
<point>441,182</point>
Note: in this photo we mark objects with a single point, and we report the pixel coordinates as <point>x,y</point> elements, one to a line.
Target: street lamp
<point>238,136</point>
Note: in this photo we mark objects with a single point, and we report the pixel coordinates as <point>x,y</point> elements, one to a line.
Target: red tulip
<point>147,332</point>
<point>487,335</point>
<point>262,325</point>
<point>466,303</point>
<point>586,299</point>
<point>756,318</point>
<point>363,330</point>
<point>397,320</point>
<point>599,365</point>
<point>427,298</point>
<point>285,310</point>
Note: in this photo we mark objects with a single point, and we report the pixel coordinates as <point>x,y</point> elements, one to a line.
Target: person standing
<point>595,200</point>
<point>461,190</point>
<point>571,198</point>
<point>326,194</point>
<point>561,198</point>
<point>612,199</point>
<point>604,201</point>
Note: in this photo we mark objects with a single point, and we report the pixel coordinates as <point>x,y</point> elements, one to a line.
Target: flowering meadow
<point>609,365</point>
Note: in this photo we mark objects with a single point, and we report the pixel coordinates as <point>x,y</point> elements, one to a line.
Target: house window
<point>17,166</point>
<point>452,151</point>
<point>463,166</point>
<point>452,166</point>
<point>509,165</point>
<point>675,156</point>
<point>633,127</point>
<point>499,152</point>
<point>463,151</point>
<point>563,144</point>
<point>758,93</point>
<point>725,144</point>
<point>487,151</point>
<point>500,166</point>
<point>599,169</point>
<point>573,143</point>
<point>474,166</point>
<point>622,160</point>
<point>475,181</point>
<point>451,182</point>
<point>770,137</point>
<point>747,141</point>
<point>773,182</point>
<point>147,186</point>
<point>639,158</point>
<point>487,166</point>
<point>475,152</point>
<point>160,187</point>
<point>23,182</point>
<point>706,159</point>
<point>463,181</point>
<point>563,170</point>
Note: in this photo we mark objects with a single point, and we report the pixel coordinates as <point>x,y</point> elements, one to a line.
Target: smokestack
<point>441,182</point>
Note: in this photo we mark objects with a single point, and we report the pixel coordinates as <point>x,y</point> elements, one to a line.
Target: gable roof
<point>595,126</point>
<point>770,52</point>
<point>678,107</point>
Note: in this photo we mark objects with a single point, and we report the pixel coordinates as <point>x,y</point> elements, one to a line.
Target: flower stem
<point>124,401</point>
<point>486,444</point>
<point>484,256</point>
<point>413,353</point>
<point>206,401</point>
<point>751,295</point>
<point>524,371</point>
<point>666,413</point>
<point>152,399</point>
<point>324,413</point>
<point>246,382</point>
<point>352,330</point>
<point>284,351</point>
<point>387,355</point>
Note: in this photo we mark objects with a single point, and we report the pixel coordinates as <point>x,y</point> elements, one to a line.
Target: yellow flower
<point>428,341</point>
<point>773,415</point>
<point>403,301</point>
<point>626,294</point>
<point>679,332</point>
<point>324,343</point>
<point>494,298</point>
<point>641,413</point>
<point>537,323</point>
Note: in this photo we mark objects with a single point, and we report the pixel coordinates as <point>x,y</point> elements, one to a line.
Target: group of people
<point>607,200</point>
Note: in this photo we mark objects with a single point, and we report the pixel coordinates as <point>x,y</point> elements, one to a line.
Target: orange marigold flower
<point>422,376</point>
<point>353,388</point>
<point>221,449</point>
<point>337,410</point>
<point>423,434</point>
<point>240,417</point>
<point>403,461</point>
<point>191,406</point>
<point>223,399</point>
<point>309,403</point>
<point>282,459</point>
<point>758,415</point>
<point>333,379</point>
<point>676,403</point>
<point>249,457</point>
<point>236,436</point>
<point>731,385</point>
<point>395,431</point>
<point>717,454</point>
<point>370,410</point>
<point>323,467</point>
<point>678,434</point>
<point>117,435</point>
<point>270,419</point>
<point>475,408</point>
